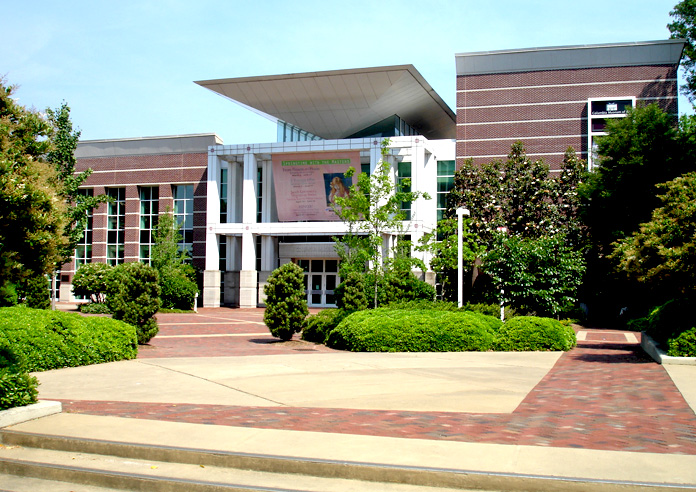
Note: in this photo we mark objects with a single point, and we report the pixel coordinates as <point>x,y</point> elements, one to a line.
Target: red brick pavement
<point>604,394</point>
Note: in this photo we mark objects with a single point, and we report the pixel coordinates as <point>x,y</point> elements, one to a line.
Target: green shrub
<point>534,333</point>
<point>178,291</point>
<point>8,295</point>
<point>133,296</point>
<point>350,293</point>
<point>91,281</point>
<point>94,308</point>
<point>17,389</point>
<point>52,339</point>
<point>286,301</point>
<point>424,304</point>
<point>395,330</point>
<point>684,345</point>
<point>669,320</point>
<point>318,326</point>
<point>35,290</point>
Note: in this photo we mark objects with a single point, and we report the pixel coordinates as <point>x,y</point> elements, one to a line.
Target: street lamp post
<point>461,212</point>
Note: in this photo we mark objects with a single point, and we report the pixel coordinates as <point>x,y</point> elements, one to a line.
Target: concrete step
<point>65,462</point>
<point>15,483</point>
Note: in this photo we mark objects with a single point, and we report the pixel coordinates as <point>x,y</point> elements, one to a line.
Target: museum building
<point>247,208</point>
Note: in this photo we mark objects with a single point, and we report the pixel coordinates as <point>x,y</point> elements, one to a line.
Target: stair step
<point>129,473</point>
<point>15,483</point>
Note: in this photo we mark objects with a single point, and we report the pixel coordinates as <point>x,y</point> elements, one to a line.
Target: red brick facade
<point>547,110</point>
<point>131,172</point>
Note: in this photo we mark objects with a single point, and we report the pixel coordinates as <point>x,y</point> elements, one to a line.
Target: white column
<point>248,276</point>
<point>211,275</point>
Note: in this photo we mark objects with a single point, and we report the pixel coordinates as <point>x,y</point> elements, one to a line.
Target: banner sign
<point>306,184</point>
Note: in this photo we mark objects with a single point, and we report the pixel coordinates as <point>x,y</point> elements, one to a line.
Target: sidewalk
<point>603,410</point>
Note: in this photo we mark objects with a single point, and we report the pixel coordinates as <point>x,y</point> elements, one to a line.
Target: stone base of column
<point>248,289</point>
<point>211,288</point>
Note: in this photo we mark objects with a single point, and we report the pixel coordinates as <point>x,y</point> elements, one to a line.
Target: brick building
<point>558,97</point>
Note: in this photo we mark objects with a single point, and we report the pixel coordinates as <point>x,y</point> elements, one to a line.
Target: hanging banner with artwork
<point>307,183</point>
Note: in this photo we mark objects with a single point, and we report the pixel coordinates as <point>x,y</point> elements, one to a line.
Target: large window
<point>223,194</point>
<point>115,225</point>
<point>403,183</point>
<point>149,210</point>
<point>599,111</point>
<point>83,249</point>
<point>183,211</point>
<point>445,183</point>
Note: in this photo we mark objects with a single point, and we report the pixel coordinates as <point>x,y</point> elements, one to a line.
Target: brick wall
<point>547,110</point>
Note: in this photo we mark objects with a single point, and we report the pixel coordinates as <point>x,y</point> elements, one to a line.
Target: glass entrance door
<point>321,278</point>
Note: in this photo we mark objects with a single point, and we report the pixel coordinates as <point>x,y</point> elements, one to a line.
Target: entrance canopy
<point>340,103</point>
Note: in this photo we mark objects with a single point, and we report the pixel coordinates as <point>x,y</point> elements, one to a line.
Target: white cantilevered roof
<point>339,103</point>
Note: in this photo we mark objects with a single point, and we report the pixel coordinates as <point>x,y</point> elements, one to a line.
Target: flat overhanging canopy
<point>339,103</point>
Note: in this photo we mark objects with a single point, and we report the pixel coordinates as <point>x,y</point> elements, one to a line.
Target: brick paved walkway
<point>604,394</point>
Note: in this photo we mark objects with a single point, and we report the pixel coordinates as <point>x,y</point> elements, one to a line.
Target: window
<point>83,249</point>
<point>149,210</point>
<point>403,183</point>
<point>259,195</point>
<point>599,111</point>
<point>445,183</point>
<point>183,212</point>
<point>115,226</point>
<point>223,195</point>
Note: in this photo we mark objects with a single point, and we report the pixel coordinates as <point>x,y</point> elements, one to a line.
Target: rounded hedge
<point>534,333</point>
<point>684,345</point>
<point>394,330</point>
<point>53,339</point>
<point>17,387</point>
<point>318,326</point>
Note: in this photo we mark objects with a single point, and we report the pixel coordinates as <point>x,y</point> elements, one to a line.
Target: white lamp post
<point>461,212</point>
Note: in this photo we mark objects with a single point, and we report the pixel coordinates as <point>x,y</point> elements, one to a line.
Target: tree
<point>662,254</point>
<point>643,149</point>
<point>536,275</point>
<point>286,301</point>
<point>684,27</point>
<point>517,195</point>
<point>177,278</point>
<point>62,157</point>
<point>32,213</point>
<point>373,209</point>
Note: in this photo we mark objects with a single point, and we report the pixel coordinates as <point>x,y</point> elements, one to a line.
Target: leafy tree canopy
<point>32,215</point>
<point>663,252</point>
<point>684,27</point>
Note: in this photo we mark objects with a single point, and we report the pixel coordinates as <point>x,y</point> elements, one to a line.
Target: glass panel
<point>331,265</point>
<point>304,264</point>
<point>305,282</point>
<point>330,299</point>
<point>330,282</point>
<point>317,265</point>
<point>445,183</point>
<point>441,200</point>
<point>316,298</point>
<point>316,282</point>
<point>445,168</point>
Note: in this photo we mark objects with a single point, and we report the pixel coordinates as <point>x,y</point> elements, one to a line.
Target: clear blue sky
<point>126,68</point>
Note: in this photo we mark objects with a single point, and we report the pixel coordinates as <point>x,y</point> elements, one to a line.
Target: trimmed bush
<point>684,345</point>
<point>52,339</point>
<point>286,301</point>
<point>36,292</point>
<point>669,320</point>
<point>8,295</point>
<point>178,291</point>
<point>318,326</point>
<point>17,387</point>
<point>133,296</point>
<point>533,333</point>
<point>94,308</point>
<point>350,293</point>
<point>395,330</point>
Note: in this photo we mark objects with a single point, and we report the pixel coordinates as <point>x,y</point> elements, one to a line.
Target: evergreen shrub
<point>52,339</point>
<point>318,326</point>
<point>350,293</point>
<point>8,295</point>
<point>178,290</point>
<point>91,281</point>
<point>683,345</point>
<point>36,292</point>
<point>17,387</point>
<point>133,296</point>
<point>396,330</point>
<point>286,301</point>
<point>534,333</point>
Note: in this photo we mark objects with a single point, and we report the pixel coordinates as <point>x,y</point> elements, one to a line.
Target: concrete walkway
<point>217,380</point>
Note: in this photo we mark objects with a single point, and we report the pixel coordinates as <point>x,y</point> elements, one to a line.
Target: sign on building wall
<point>307,183</point>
